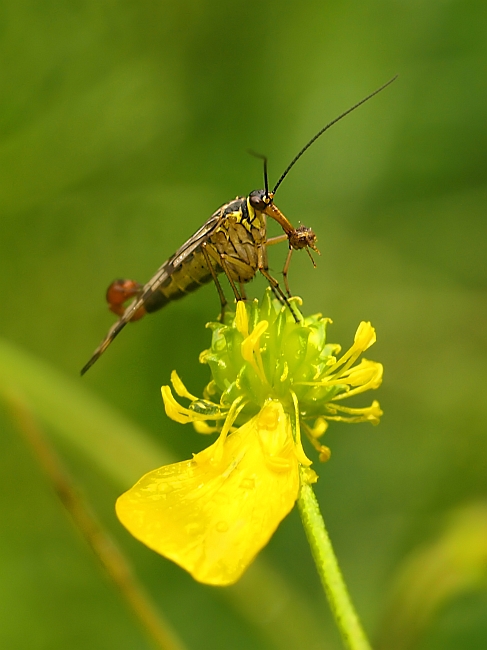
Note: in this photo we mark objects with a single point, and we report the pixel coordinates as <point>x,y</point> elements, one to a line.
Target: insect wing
<point>157,280</point>
<point>177,259</point>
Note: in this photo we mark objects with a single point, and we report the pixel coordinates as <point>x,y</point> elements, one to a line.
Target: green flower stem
<point>327,565</point>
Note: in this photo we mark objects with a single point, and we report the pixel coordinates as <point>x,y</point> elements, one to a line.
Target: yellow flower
<point>213,514</point>
<point>272,377</point>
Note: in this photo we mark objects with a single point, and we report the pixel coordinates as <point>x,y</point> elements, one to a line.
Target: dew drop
<point>247,484</point>
<point>192,529</point>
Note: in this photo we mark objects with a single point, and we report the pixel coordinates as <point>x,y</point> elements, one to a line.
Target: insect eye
<point>258,201</point>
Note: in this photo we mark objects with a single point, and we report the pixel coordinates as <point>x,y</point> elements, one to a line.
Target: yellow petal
<point>213,514</point>
<point>366,376</point>
<point>364,336</point>
<point>319,428</point>
<point>174,410</point>
<point>180,388</point>
<point>204,428</point>
<point>371,413</point>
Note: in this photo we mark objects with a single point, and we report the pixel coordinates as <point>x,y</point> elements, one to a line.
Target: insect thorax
<point>238,238</point>
<point>241,211</point>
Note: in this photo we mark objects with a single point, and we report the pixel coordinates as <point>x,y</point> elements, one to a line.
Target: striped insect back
<point>233,242</point>
<point>231,247</point>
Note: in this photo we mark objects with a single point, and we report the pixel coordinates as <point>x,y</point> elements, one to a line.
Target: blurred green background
<point>123,127</point>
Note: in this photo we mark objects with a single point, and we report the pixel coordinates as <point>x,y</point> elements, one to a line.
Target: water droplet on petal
<point>192,529</point>
<point>247,484</point>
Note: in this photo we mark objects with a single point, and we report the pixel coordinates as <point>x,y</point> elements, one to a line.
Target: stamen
<point>300,454</point>
<point>233,413</point>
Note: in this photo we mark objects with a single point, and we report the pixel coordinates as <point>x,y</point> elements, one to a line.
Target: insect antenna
<point>266,179</point>
<point>325,128</point>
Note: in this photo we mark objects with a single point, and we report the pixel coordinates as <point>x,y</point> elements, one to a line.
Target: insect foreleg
<point>274,284</point>
<point>280,293</point>
<point>276,293</point>
<point>285,271</point>
<point>276,240</point>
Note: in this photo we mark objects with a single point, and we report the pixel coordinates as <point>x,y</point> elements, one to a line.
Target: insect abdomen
<point>232,245</point>
<point>191,275</point>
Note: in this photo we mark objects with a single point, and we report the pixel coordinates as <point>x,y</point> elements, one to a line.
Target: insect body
<point>233,241</point>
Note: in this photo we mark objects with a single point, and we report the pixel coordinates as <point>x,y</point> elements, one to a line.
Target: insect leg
<point>223,300</point>
<point>276,240</point>
<point>221,259</point>
<point>279,292</point>
<point>285,271</point>
<point>224,265</point>
<point>274,284</point>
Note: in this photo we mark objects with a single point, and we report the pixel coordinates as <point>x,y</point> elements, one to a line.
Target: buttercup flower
<point>271,379</point>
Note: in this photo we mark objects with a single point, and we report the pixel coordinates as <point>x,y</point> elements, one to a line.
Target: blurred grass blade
<point>120,449</point>
<point>449,566</point>
<point>157,628</point>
